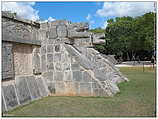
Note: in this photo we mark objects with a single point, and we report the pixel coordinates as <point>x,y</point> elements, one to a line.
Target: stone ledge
<point>14,17</point>
<point>19,40</point>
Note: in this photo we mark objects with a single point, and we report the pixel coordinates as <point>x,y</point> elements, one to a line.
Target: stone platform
<point>55,59</point>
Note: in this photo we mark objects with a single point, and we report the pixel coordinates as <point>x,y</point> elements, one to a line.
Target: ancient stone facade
<point>54,59</point>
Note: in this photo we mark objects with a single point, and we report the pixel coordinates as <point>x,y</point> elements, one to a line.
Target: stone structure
<point>54,59</point>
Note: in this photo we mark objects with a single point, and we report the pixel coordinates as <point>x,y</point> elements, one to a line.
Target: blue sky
<point>72,11</point>
<point>95,13</point>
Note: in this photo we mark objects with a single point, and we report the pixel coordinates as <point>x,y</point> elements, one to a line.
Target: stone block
<point>51,41</point>
<point>48,76</point>
<point>32,84</point>
<point>95,85</point>
<point>66,66</point>
<point>57,48</point>
<point>75,66</point>
<point>96,92</point>
<point>42,87</point>
<point>67,75</point>
<point>62,31</point>
<point>50,66</point>
<point>86,77</point>
<point>10,96</point>
<point>51,88</point>
<point>57,57</point>
<point>73,34</point>
<point>58,41</point>
<point>85,89</point>
<point>43,63</point>
<point>58,66</point>
<point>58,76</point>
<point>59,22</point>
<point>7,60</point>
<point>50,48</point>
<point>49,58</point>
<point>53,32</point>
<point>22,89</point>
<point>43,50</point>
<point>36,63</point>
<point>3,105</point>
<point>71,88</point>
<point>60,88</point>
<point>81,59</point>
<point>77,75</point>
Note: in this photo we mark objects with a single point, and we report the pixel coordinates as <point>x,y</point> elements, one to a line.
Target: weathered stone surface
<point>3,104</point>
<point>36,61</point>
<point>60,22</point>
<point>82,60</point>
<point>75,66</point>
<point>58,41</point>
<point>85,89</point>
<point>7,60</point>
<point>57,48</point>
<point>73,34</point>
<point>62,31</point>
<point>51,41</point>
<point>19,31</point>
<point>23,59</point>
<point>50,48</point>
<point>78,27</point>
<point>22,89</point>
<point>43,49</point>
<point>43,63</point>
<point>71,88</point>
<point>49,57</point>
<point>68,76</point>
<point>77,75</point>
<point>48,76</point>
<point>53,32</point>
<point>86,77</point>
<point>57,57</point>
<point>8,15</point>
<point>95,85</point>
<point>51,88</point>
<point>58,66</point>
<point>66,66</point>
<point>32,84</point>
<point>10,96</point>
<point>20,40</point>
<point>58,76</point>
<point>41,86</point>
<point>50,66</point>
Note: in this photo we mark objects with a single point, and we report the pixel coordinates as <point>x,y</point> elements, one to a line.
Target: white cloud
<point>50,19</point>
<point>88,17</point>
<point>23,9</point>
<point>119,9</point>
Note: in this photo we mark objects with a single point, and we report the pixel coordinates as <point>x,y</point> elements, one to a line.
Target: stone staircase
<point>105,74</point>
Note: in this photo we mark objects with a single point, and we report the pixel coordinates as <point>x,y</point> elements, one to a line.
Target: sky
<point>95,13</point>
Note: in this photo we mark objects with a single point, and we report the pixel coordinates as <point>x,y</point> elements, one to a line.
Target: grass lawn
<point>136,99</point>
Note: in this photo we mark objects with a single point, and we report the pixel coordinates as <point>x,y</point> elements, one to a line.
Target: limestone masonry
<point>55,59</point>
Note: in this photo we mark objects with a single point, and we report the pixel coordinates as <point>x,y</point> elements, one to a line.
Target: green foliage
<point>98,30</point>
<point>129,36</point>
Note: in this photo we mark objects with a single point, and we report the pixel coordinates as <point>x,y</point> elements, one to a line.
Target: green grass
<point>136,99</point>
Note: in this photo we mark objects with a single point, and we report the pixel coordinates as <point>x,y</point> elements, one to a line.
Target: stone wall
<point>55,59</point>
<point>21,70</point>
